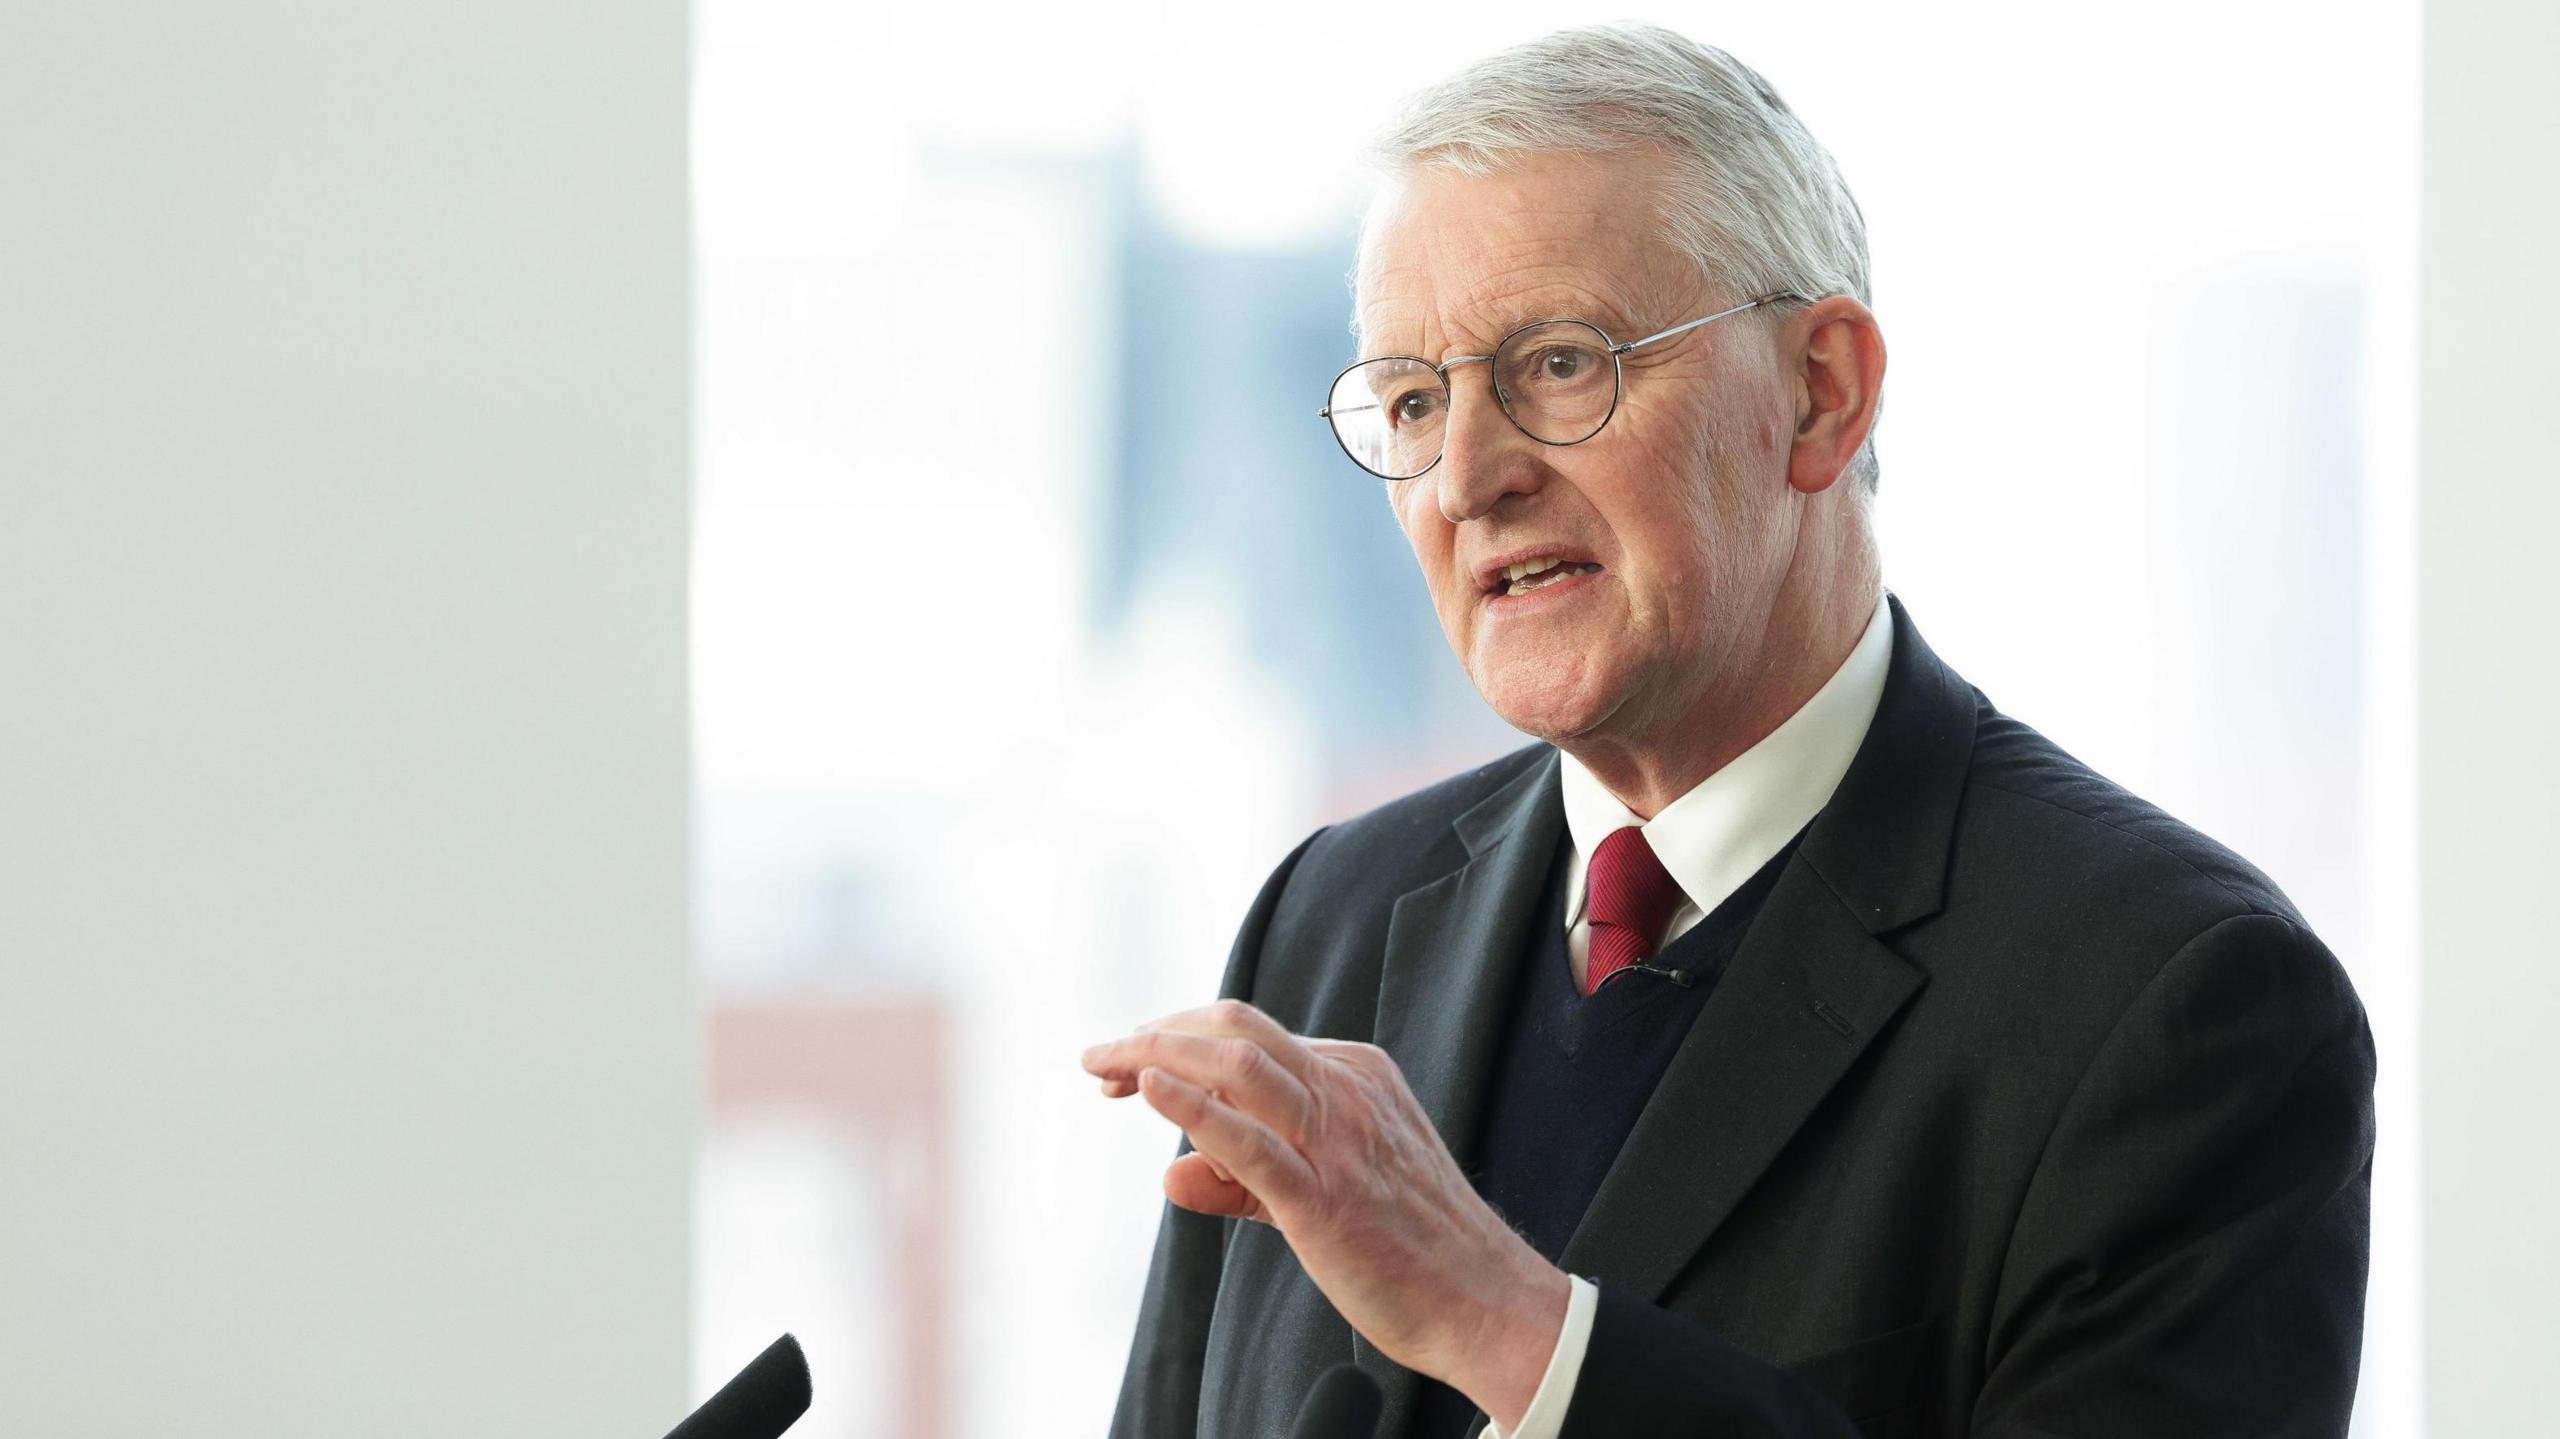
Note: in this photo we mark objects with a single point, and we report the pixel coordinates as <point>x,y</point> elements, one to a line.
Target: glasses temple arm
<point>1707,320</point>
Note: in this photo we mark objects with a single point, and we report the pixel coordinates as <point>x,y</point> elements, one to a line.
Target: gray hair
<point>1759,205</point>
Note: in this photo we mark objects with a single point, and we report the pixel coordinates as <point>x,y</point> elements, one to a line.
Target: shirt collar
<point>1718,834</point>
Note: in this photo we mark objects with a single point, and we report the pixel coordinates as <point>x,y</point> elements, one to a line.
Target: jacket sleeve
<point>2189,1257</point>
<point>1653,1374</point>
<point>1160,1390</point>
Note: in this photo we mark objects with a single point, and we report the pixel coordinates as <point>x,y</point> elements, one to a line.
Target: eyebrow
<point>1515,316</point>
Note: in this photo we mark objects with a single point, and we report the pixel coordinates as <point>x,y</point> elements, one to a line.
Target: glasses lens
<point>1389,415</point>
<point>1558,380</point>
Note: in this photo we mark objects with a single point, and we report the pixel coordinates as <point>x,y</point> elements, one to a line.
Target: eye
<point>1558,366</point>
<point>1414,407</point>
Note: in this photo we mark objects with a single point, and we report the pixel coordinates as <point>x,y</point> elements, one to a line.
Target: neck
<point>1800,644</point>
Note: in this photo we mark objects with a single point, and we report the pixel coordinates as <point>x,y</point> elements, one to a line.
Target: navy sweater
<point>1573,1073</point>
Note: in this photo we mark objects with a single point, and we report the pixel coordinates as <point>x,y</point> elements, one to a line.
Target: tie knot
<point>1629,888</point>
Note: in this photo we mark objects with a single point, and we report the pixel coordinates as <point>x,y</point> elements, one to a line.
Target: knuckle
<point>1244,1060</point>
<point>1369,1065</point>
<point>1230,1013</point>
<point>1381,1087</point>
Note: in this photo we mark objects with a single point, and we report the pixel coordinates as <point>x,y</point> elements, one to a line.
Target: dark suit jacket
<point>2023,1110</point>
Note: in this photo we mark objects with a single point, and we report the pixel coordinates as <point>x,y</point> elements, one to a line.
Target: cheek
<point>1430,537</point>
<point>1688,525</point>
<point>1409,501</point>
<point>1665,507</point>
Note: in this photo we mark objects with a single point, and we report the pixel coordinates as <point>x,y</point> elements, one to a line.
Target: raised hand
<point>1322,1139</point>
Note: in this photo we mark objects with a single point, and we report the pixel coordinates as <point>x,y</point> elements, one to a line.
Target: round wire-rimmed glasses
<point>1559,381</point>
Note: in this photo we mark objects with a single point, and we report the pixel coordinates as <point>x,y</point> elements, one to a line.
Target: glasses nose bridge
<point>1488,477</point>
<point>1501,401</point>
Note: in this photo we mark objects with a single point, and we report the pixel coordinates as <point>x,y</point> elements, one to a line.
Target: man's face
<point>1681,501</point>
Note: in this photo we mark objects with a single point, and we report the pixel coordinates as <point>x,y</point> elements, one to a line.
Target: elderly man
<point>1790,1043</point>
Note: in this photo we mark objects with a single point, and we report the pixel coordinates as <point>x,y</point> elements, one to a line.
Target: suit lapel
<point>1454,944</point>
<point>1807,992</point>
<point>1453,948</point>
<point>1802,999</point>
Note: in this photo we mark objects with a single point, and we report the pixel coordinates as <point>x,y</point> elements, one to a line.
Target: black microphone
<point>1343,1405</point>
<point>766,1397</point>
<point>1681,977</point>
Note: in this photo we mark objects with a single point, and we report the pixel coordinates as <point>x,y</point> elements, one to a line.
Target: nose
<point>1483,456</point>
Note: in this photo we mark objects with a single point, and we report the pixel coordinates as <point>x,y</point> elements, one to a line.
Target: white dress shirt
<point>1711,839</point>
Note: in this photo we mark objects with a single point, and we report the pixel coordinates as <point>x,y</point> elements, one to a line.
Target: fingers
<point>1251,1038</point>
<point>1236,1019</point>
<point>1236,1069</point>
<point>1196,1182</point>
<point>1258,1159</point>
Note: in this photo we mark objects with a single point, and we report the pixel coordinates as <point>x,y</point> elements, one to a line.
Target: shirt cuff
<point>1545,1416</point>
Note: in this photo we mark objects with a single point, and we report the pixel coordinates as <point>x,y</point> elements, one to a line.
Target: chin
<point>1546,704</point>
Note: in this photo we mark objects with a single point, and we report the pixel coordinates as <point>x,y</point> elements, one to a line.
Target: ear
<point>1837,372</point>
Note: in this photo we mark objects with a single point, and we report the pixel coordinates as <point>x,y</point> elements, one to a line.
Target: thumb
<point>1197,1182</point>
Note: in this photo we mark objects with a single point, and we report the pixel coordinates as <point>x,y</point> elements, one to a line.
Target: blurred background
<point>622,628</point>
<point>1017,671</point>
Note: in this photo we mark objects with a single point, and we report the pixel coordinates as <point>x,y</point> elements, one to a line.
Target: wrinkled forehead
<point>1449,263</point>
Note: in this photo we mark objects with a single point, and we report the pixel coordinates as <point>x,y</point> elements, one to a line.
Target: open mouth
<point>1529,575</point>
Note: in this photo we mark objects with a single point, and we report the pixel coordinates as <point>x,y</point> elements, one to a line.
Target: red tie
<point>1631,898</point>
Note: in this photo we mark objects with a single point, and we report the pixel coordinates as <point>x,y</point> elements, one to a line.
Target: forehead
<point>1451,262</point>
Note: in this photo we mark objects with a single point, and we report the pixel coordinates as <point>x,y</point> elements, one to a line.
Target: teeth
<point>1542,573</point>
<point>1518,572</point>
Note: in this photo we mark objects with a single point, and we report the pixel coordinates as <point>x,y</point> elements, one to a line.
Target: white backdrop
<point>347,1065</point>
